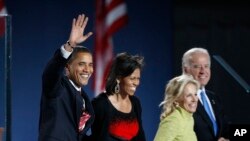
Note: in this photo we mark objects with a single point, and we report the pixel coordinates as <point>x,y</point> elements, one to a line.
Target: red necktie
<point>83,119</point>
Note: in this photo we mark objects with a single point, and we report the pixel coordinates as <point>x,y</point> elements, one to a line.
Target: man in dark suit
<point>66,112</point>
<point>212,125</point>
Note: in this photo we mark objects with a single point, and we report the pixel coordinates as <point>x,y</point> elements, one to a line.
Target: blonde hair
<point>174,89</point>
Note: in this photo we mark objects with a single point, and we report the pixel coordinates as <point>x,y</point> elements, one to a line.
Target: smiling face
<point>200,68</point>
<point>189,99</point>
<point>80,69</point>
<point>129,84</point>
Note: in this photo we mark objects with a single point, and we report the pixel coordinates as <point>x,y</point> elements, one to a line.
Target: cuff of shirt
<point>64,52</point>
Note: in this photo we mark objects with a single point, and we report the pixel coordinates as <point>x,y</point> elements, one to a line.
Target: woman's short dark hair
<point>123,65</point>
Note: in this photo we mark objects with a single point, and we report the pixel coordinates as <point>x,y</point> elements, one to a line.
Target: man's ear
<point>66,68</point>
<point>185,69</point>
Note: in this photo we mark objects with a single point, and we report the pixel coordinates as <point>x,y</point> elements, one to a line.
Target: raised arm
<point>77,32</point>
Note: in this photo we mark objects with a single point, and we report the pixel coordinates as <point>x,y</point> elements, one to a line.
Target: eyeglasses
<point>198,66</point>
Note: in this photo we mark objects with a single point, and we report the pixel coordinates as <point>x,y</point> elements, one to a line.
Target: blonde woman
<point>178,106</point>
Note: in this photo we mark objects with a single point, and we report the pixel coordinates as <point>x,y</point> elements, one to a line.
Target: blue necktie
<point>209,112</point>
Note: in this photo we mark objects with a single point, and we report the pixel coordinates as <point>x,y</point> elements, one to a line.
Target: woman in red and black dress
<point>117,110</point>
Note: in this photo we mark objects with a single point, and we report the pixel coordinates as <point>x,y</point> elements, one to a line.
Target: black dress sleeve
<point>100,124</point>
<point>141,135</point>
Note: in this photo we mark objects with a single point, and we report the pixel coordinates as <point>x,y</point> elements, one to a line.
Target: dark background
<point>160,30</point>
<point>223,27</point>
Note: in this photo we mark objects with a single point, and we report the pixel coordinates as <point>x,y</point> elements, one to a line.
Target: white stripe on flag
<point>105,25</point>
<point>115,14</point>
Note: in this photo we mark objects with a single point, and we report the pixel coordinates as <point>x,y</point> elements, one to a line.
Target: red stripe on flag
<point>113,4</point>
<point>1,4</point>
<point>117,24</point>
<point>111,15</point>
<point>2,19</point>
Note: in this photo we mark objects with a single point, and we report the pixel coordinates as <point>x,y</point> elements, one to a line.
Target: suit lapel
<point>89,109</point>
<point>78,103</point>
<point>77,99</point>
<point>215,109</point>
<point>204,115</point>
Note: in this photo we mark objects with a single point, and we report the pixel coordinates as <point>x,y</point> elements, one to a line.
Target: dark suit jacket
<point>203,125</point>
<point>61,105</point>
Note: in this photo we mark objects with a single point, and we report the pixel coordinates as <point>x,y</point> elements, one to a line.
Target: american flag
<point>111,15</point>
<point>3,11</point>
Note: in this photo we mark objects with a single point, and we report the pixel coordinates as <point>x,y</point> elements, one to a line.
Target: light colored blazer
<point>178,126</point>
